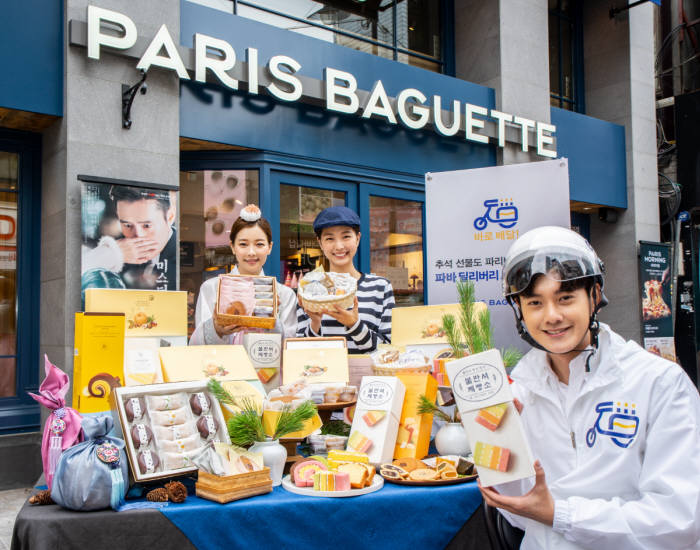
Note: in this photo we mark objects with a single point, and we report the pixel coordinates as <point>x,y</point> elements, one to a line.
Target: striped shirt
<point>376,300</point>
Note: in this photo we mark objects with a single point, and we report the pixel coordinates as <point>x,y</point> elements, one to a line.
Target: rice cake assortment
<point>242,298</point>
<point>166,425</point>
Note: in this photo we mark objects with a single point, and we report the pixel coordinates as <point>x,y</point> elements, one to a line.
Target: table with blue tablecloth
<point>393,517</point>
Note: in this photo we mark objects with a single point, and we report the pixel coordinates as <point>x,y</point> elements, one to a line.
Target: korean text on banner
<point>467,239</point>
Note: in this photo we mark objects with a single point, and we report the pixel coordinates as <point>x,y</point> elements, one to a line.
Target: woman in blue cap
<point>369,322</point>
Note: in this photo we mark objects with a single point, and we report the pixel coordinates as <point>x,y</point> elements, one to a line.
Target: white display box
<point>480,381</point>
<point>379,394</point>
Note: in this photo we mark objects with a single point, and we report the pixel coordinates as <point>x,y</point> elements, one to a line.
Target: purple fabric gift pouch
<point>63,426</point>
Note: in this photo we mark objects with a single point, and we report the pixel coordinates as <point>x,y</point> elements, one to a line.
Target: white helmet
<point>541,250</point>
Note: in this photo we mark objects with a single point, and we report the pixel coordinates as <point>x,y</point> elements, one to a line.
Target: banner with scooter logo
<point>474,216</point>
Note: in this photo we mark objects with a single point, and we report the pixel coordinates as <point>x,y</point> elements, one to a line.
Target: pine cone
<point>176,491</point>
<point>157,495</point>
<point>42,497</point>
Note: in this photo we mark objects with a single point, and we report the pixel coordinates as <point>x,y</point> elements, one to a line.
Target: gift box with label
<point>265,352</point>
<point>147,312</point>
<point>377,414</point>
<point>413,438</point>
<point>316,365</point>
<point>98,360</point>
<point>494,429</point>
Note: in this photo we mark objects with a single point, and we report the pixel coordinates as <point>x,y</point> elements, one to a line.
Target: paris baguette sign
<point>214,60</point>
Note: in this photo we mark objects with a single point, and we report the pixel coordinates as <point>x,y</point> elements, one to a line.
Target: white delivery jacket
<point>621,457</point>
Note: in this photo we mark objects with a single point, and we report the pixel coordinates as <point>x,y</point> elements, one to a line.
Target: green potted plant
<point>246,427</point>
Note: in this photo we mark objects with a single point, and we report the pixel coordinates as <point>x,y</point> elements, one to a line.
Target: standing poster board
<point>655,290</point>
<point>472,219</point>
<point>129,235</point>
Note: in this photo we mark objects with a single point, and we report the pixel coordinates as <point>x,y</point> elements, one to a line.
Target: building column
<point>619,82</point>
<point>90,140</point>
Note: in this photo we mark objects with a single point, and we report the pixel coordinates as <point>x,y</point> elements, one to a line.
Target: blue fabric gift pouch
<point>92,475</point>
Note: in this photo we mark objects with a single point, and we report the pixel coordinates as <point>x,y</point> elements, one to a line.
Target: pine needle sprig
<point>426,406</point>
<point>511,356</point>
<point>486,330</point>
<point>292,420</point>
<point>245,428</point>
<point>454,339</point>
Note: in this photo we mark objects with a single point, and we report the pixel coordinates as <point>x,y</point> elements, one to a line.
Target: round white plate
<point>377,483</point>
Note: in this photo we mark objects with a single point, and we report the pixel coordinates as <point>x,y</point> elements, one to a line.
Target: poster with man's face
<point>129,237</point>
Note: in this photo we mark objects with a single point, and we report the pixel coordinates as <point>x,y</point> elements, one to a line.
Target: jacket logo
<point>618,421</point>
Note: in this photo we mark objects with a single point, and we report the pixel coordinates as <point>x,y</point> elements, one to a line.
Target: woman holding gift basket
<point>324,309</point>
<point>251,243</point>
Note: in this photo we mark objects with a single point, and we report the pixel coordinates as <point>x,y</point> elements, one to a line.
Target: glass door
<point>301,198</point>
<point>9,176</point>
<point>395,244</point>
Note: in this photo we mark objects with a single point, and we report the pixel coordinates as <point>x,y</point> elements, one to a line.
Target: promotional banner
<point>472,219</point>
<point>655,289</point>
<point>129,237</point>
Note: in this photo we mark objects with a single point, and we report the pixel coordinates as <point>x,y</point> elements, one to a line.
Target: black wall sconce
<point>128,95</point>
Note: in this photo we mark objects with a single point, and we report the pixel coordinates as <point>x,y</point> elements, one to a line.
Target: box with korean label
<point>148,312</point>
<point>98,360</point>
<point>376,421</point>
<point>165,426</point>
<point>413,438</point>
<point>265,352</point>
<point>494,429</point>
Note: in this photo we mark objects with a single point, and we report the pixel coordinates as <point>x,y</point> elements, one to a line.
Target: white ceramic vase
<point>274,457</point>
<point>451,439</point>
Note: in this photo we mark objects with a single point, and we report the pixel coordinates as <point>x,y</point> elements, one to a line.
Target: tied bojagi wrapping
<point>63,426</point>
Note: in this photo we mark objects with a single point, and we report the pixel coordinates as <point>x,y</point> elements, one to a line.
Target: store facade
<point>355,109</point>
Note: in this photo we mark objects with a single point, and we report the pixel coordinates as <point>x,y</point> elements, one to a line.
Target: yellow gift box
<point>315,365</point>
<point>148,312</point>
<point>98,360</point>
<point>185,363</point>
<point>413,438</point>
<point>270,419</point>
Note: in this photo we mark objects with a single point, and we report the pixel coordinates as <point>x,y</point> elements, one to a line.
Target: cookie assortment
<point>164,430</point>
<point>412,469</point>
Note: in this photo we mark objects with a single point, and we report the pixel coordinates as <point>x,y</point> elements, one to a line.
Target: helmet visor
<point>560,266</point>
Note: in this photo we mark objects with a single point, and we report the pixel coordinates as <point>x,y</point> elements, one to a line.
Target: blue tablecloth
<point>393,517</point>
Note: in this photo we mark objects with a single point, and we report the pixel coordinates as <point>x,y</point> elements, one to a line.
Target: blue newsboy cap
<point>335,215</point>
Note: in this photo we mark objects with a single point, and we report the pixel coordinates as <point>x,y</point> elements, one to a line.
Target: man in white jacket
<point>615,428</point>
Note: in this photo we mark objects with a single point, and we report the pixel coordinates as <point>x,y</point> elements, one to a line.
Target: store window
<point>210,201</point>
<point>408,31</point>
<point>9,179</point>
<point>565,55</point>
<point>298,247</point>
<point>396,244</point>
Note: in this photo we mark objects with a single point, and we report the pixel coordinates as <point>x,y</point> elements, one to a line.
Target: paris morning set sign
<point>215,60</point>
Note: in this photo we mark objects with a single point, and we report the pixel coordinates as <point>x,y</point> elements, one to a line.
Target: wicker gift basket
<point>251,321</point>
<point>319,290</point>
<point>389,362</point>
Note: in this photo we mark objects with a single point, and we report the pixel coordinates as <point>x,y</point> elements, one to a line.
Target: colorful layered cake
<point>491,456</point>
<point>267,374</point>
<point>331,481</point>
<point>372,417</point>
<point>491,417</point>
<point>359,442</point>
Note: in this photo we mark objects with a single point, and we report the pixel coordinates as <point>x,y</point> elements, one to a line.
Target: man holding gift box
<point>616,428</point>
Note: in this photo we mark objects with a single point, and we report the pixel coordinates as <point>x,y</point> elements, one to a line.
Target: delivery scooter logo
<point>503,212</point>
<point>617,421</point>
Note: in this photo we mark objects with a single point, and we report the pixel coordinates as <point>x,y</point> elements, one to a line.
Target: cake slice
<point>336,457</point>
<point>356,472</point>
<point>491,417</point>
<point>491,456</point>
<point>267,374</point>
